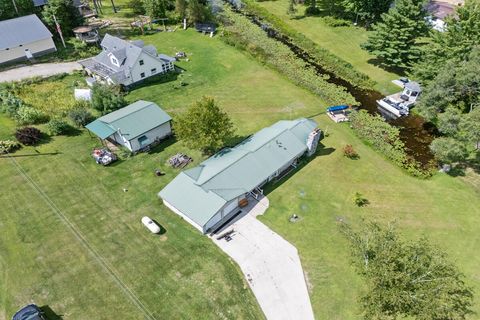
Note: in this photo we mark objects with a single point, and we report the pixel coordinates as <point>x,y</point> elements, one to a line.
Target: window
<point>141,62</point>
<point>142,74</point>
<point>143,141</point>
<point>153,71</point>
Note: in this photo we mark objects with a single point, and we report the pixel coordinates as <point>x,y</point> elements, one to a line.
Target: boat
<point>400,103</point>
<point>338,113</point>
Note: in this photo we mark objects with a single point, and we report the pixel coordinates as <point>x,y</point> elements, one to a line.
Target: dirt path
<point>38,70</point>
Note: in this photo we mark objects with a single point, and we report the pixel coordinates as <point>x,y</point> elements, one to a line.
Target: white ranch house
<point>126,62</point>
<point>209,195</point>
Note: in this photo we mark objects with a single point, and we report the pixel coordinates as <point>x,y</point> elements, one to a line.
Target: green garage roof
<point>200,192</point>
<point>132,120</point>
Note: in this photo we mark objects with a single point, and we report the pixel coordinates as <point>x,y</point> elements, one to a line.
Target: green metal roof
<point>132,120</point>
<point>202,191</point>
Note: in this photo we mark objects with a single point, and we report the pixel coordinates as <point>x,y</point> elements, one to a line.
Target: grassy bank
<point>343,42</point>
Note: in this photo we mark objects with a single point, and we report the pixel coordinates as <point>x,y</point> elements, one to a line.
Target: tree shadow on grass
<point>379,63</point>
<point>163,145</point>
<point>50,314</point>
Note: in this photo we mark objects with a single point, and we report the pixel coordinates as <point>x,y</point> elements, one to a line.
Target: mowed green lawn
<point>341,41</point>
<point>181,274</point>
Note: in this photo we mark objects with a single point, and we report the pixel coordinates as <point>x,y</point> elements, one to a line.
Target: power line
<point>129,292</point>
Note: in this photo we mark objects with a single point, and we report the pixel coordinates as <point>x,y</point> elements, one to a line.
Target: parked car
<point>151,225</point>
<point>30,312</point>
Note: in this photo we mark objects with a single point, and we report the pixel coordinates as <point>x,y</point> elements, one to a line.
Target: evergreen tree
<point>461,35</point>
<point>65,12</point>
<point>204,126</point>
<point>311,8</point>
<point>394,39</point>
<point>107,98</point>
<point>197,11</point>
<point>292,9</point>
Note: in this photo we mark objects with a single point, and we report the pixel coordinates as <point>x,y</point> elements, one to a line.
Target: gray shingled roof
<point>22,30</point>
<point>127,54</point>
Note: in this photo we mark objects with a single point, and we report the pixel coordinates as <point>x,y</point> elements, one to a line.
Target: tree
<point>406,279</point>
<point>394,39</point>
<point>461,35</point>
<point>197,11</point>
<point>107,98</point>
<point>469,129</point>
<point>79,114</point>
<point>204,126</point>
<point>155,8</point>
<point>181,8</point>
<point>449,121</point>
<point>28,135</point>
<point>448,150</point>
<point>457,85</point>
<point>292,9</point>
<point>8,11</point>
<point>137,7</point>
<point>67,15</point>
<point>311,8</point>
<point>367,10</point>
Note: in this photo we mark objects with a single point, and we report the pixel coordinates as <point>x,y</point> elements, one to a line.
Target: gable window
<point>153,71</point>
<point>142,74</point>
<point>141,62</point>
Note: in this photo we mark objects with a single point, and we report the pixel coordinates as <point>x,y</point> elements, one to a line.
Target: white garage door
<point>230,207</point>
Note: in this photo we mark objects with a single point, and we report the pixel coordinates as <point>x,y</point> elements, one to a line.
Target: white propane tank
<point>152,226</point>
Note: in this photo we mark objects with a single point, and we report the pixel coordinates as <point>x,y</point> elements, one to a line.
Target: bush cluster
<point>57,127</point>
<point>349,152</point>
<point>386,139</point>
<point>29,115</point>
<point>7,146</point>
<point>28,135</point>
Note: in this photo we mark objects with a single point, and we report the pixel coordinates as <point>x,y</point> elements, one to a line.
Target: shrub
<point>360,200</point>
<point>8,146</point>
<point>29,115</point>
<point>349,152</point>
<point>28,135</point>
<point>336,22</point>
<point>80,116</point>
<point>9,103</point>
<point>57,127</point>
<point>107,98</point>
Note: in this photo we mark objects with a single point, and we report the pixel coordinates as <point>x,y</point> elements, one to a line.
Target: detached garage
<point>209,195</point>
<point>24,38</point>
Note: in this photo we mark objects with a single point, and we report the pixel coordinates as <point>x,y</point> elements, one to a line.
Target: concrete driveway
<point>271,266</point>
<point>38,70</point>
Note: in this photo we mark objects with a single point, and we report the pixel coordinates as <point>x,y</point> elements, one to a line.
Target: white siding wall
<point>37,48</point>
<point>183,216</point>
<point>159,132</point>
<point>213,221</point>
<point>121,140</point>
<point>228,208</point>
<point>149,63</point>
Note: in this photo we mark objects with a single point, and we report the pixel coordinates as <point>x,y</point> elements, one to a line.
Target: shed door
<point>230,207</point>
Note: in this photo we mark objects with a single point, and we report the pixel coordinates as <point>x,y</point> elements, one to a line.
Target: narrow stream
<point>414,131</point>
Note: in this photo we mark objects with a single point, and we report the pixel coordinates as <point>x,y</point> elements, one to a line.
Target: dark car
<point>30,312</point>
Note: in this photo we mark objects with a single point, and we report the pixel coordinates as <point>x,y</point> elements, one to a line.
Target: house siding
<point>149,63</point>
<point>37,48</point>
<point>159,132</point>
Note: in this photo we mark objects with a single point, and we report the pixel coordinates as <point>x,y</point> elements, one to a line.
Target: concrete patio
<point>270,264</point>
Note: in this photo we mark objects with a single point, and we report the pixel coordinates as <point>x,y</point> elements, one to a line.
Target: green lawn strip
<point>343,42</point>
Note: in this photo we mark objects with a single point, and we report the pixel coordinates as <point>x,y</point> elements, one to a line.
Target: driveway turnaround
<point>271,266</point>
<point>38,70</point>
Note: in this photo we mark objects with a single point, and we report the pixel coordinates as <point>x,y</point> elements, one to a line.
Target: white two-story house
<point>126,62</point>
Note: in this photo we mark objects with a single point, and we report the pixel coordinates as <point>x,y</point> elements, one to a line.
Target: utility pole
<point>59,31</point>
<point>15,6</point>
